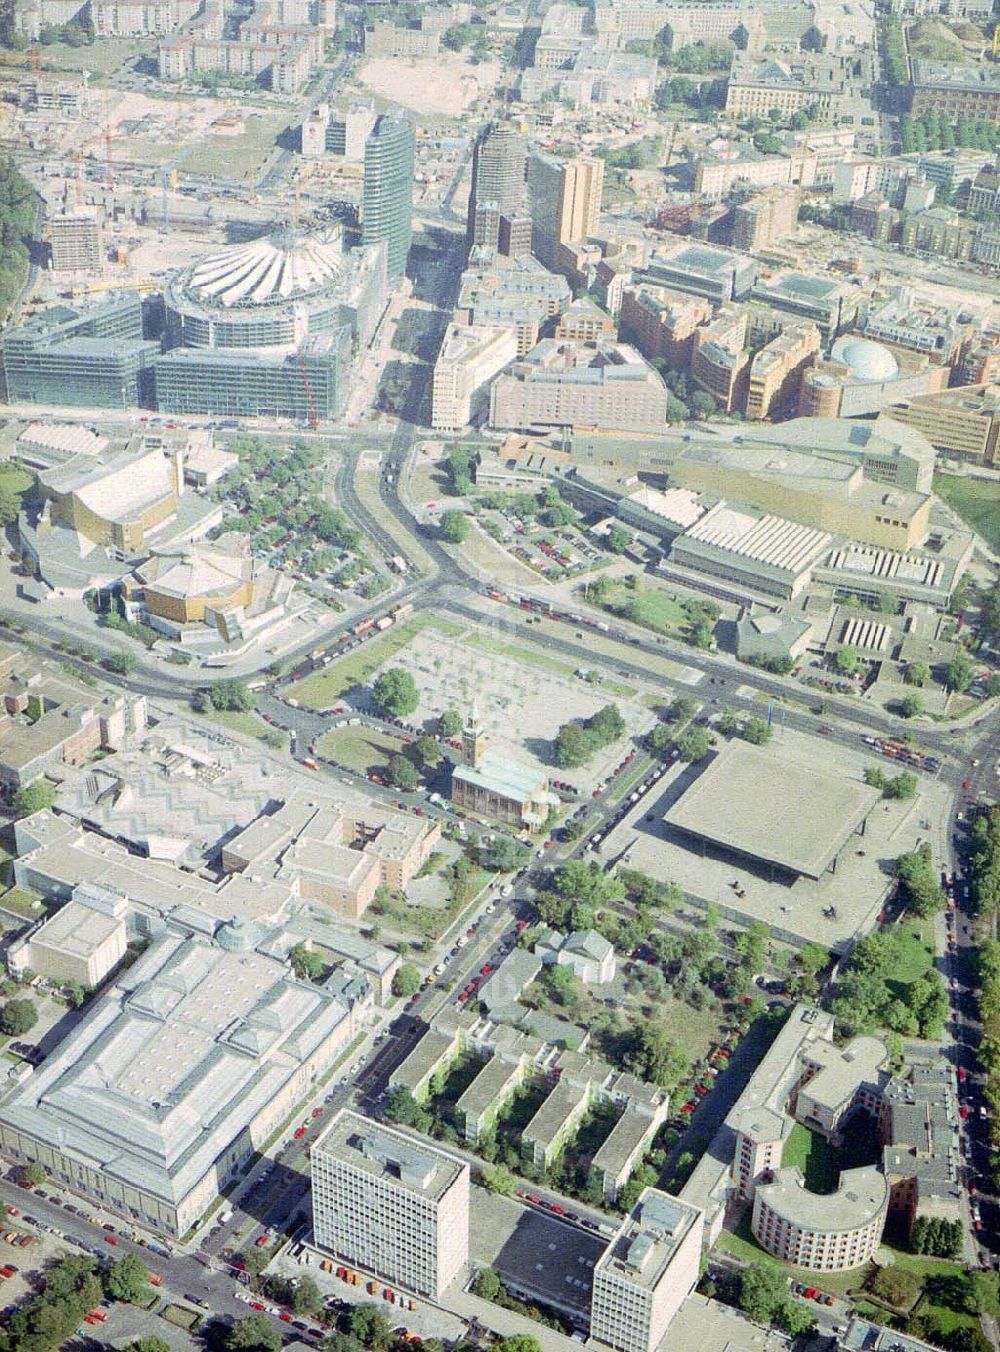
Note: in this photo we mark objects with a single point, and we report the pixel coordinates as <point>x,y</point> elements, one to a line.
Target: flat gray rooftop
<point>761,803</point>
<point>385,1153</point>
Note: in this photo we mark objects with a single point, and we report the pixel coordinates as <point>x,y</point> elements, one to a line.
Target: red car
<point>688,1108</point>
<point>963,1111</point>
<point>262,1240</point>
<point>256,1305</point>
<point>111,1239</point>
<point>13,1211</point>
<point>962,1075</point>
<point>285,1317</point>
<point>557,1210</point>
<point>299,1133</point>
<point>533,1198</point>
<point>317,1112</point>
<point>809,1292</point>
<point>522,924</point>
<point>485,971</point>
<point>462,997</point>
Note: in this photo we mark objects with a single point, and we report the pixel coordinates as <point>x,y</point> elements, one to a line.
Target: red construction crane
<point>313,416</point>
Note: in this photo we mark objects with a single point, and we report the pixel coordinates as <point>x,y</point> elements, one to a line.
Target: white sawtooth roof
<point>768,539</point>
<point>276,267</point>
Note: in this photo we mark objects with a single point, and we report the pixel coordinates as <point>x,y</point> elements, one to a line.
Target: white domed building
<point>865,360</point>
<point>861,376</point>
<point>271,327</point>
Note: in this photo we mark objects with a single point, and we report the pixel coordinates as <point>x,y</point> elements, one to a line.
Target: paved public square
<point>799,910</point>
<point>521,706</point>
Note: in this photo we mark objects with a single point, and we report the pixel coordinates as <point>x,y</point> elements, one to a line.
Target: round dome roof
<point>239,934</point>
<point>278,267</point>
<point>867,360</point>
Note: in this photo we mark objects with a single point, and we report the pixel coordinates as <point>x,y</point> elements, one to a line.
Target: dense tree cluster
<point>936,1236</point>
<point>395,693</point>
<point>762,1292</point>
<point>984,860</point>
<point>502,854</point>
<point>17,216</point>
<point>868,995</point>
<point>231,695</point>
<point>71,1287</point>
<point>918,884</point>
<point>577,742</point>
<point>935,132</point>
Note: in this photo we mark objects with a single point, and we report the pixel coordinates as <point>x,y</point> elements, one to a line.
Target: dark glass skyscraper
<point>387,199</point>
<point>498,166</point>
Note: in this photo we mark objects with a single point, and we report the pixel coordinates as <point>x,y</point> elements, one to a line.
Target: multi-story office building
<point>564,200</point>
<point>313,383</point>
<point>387,195</point>
<point>470,356</point>
<point>829,304</point>
<point>716,175</point>
<point>90,358</point>
<point>341,133</point>
<point>599,384</point>
<point>645,1273</point>
<point>776,370</point>
<point>955,91</point>
<point>704,270</point>
<point>834,86</point>
<point>499,165</point>
<point>75,239</point>
<point>269,327</point>
<point>962,423</point>
<point>391,1204</point>
<point>761,220</point>
<point>908,321</point>
<point>518,294</point>
<point>719,362</point>
<point>662,323</point>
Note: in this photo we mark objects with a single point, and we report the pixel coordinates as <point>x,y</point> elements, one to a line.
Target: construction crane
<point>168,179</point>
<point>107,135</point>
<point>313,415</point>
<point>142,284</point>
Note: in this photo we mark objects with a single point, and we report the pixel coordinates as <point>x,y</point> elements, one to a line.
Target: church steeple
<point>473,737</point>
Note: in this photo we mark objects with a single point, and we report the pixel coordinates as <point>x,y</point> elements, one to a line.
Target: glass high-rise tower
<point>498,168</point>
<point>387,198</point>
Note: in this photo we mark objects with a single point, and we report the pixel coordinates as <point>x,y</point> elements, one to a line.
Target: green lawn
<point>977,501</point>
<point>815,1156</point>
<point>528,656</point>
<point>14,479</point>
<point>651,607</point>
<point>916,952</point>
<point>101,58</point>
<point>325,687</point>
<point>742,1246</point>
<point>22,902</point>
<point>250,724</point>
<point>235,156</point>
<point>357,748</point>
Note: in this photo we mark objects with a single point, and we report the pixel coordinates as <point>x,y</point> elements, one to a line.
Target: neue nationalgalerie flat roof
<point>761,803</point>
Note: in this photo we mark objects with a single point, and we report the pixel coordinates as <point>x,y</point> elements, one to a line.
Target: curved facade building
<point>271,327</point>
<point>274,292</point>
<point>822,1232</point>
